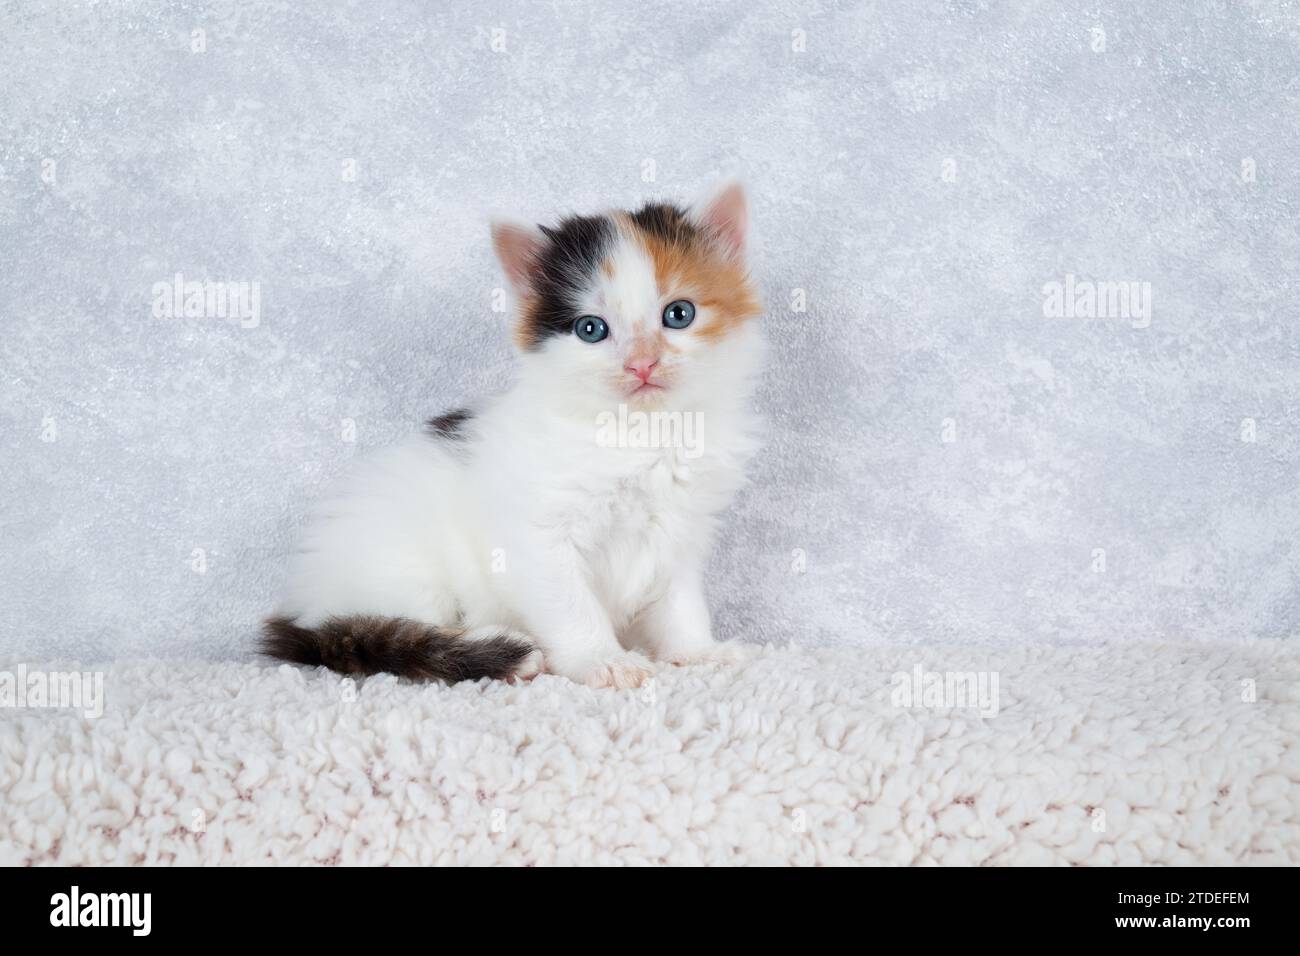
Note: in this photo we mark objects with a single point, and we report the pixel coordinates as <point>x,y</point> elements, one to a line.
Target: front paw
<point>623,670</point>
<point>732,652</point>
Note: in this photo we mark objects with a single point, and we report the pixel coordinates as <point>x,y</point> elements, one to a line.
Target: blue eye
<point>590,328</point>
<point>679,314</point>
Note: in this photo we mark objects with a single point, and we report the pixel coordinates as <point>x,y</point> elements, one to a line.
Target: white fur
<point>529,522</point>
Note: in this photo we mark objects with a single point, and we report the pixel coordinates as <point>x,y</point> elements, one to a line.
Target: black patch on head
<point>450,425</point>
<point>573,252</point>
<point>667,222</point>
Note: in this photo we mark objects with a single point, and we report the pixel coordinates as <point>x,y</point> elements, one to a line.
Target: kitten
<point>564,525</point>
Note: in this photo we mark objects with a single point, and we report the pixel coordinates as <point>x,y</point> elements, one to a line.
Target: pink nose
<point>642,368</point>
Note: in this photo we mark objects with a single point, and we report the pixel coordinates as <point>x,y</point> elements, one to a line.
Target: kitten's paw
<point>623,670</point>
<point>732,652</point>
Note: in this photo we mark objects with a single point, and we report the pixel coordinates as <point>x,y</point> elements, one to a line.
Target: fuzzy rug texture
<point>1113,754</point>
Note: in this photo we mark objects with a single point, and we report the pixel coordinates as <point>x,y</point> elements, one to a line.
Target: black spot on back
<point>450,425</point>
<point>573,253</point>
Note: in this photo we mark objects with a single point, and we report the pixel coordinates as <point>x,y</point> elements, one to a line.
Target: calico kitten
<point>555,526</point>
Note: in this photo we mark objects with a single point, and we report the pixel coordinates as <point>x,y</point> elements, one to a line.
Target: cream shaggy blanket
<point>1119,754</point>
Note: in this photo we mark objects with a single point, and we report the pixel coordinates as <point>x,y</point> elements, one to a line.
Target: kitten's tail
<point>366,644</point>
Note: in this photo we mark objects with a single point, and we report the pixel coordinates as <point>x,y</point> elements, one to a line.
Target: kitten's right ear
<point>725,217</point>
<point>519,247</point>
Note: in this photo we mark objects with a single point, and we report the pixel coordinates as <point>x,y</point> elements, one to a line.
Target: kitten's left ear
<point>724,216</point>
<point>519,247</point>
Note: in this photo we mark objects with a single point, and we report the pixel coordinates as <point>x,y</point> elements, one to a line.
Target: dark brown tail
<point>364,644</point>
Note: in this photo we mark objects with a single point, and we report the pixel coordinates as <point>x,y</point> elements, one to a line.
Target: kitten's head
<point>651,308</point>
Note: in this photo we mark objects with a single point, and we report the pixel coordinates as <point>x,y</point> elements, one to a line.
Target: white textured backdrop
<point>944,461</point>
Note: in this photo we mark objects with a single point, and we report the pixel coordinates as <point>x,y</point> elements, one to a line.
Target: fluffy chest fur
<point>634,515</point>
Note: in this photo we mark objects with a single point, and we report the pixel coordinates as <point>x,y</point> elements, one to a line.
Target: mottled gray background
<point>924,294</point>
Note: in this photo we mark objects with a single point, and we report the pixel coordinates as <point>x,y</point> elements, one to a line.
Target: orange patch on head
<point>523,334</point>
<point>695,271</point>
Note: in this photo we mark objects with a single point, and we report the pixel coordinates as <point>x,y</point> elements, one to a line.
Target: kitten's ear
<point>725,217</point>
<point>519,247</point>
